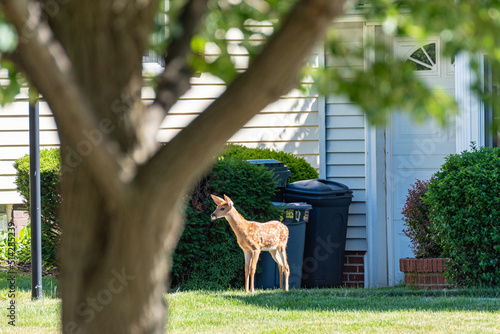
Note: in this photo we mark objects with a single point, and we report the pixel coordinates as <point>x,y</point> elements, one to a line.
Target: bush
<point>16,249</point>
<point>417,222</point>
<point>208,256</point>
<point>464,198</point>
<point>299,167</point>
<point>50,166</point>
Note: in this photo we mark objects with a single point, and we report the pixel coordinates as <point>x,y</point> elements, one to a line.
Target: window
<point>424,58</point>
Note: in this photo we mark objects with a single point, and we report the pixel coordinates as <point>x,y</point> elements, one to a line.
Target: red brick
<point>429,266</point>
<point>355,260</point>
<point>357,277</point>
<point>350,269</point>
<point>440,266</point>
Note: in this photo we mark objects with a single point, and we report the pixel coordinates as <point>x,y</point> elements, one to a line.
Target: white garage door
<point>414,151</point>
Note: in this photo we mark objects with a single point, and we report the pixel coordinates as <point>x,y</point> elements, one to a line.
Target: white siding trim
<point>376,255</point>
<point>470,120</point>
<point>322,119</point>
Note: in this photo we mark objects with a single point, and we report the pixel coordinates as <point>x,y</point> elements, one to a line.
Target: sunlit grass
<point>392,310</point>
<point>335,311</point>
<point>40,316</point>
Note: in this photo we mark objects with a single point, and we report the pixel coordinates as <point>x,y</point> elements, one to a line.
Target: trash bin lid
<point>319,187</point>
<point>267,162</point>
<point>293,206</point>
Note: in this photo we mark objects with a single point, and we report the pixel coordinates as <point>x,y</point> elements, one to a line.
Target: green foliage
<point>207,255</point>
<point>464,197</point>
<point>379,90</point>
<point>50,165</point>
<point>468,26</point>
<point>417,222</point>
<point>299,167</point>
<point>12,86</point>
<point>234,28</point>
<point>16,249</point>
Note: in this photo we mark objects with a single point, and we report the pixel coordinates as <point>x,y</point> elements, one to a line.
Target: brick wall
<point>20,217</point>
<point>424,273</point>
<point>354,269</point>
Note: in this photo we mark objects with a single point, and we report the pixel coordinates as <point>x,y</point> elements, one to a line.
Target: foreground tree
<point>123,195</point>
<point>121,214</point>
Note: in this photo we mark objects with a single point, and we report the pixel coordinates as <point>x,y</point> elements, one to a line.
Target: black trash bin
<point>281,175</point>
<point>296,217</point>
<point>326,231</point>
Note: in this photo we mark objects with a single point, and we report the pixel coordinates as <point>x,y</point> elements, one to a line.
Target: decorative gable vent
<point>424,58</point>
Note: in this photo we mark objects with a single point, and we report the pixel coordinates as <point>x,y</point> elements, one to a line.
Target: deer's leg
<point>248,258</point>
<point>253,267</point>
<point>277,258</point>
<point>286,268</point>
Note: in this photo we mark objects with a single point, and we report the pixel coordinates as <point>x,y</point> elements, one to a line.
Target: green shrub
<point>417,222</point>
<point>208,255</point>
<point>16,249</point>
<point>299,167</point>
<point>50,166</point>
<point>464,197</point>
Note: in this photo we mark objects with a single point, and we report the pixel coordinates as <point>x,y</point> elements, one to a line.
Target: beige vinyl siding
<point>290,124</point>
<point>345,143</point>
<point>14,142</point>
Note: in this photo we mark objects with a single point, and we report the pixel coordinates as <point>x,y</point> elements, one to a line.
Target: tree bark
<point>121,213</point>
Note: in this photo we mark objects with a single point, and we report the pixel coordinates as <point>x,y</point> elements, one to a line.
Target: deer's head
<point>223,207</point>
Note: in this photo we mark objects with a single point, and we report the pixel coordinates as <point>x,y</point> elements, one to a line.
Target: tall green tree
<point>123,194</point>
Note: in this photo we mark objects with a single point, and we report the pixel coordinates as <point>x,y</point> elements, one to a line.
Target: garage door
<point>414,151</point>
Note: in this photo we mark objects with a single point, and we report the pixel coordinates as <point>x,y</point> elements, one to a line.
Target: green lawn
<point>392,310</point>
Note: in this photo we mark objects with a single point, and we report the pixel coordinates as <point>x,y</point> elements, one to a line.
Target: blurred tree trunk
<point>123,197</point>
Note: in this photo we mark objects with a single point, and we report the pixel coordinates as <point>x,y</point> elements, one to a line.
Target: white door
<point>414,151</point>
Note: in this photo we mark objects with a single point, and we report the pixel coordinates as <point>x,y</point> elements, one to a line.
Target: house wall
<point>345,142</point>
<point>290,124</point>
<point>14,140</point>
<point>296,123</point>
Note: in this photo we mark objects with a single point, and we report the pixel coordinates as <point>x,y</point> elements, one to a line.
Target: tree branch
<point>271,75</point>
<point>45,62</point>
<point>174,81</point>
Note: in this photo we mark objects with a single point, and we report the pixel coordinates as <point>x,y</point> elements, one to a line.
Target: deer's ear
<point>228,200</point>
<point>217,200</point>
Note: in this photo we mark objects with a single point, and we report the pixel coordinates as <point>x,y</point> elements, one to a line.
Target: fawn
<point>254,237</point>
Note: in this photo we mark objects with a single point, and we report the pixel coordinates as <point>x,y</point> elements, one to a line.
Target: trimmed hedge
<point>299,167</point>
<point>208,256</point>
<point>50,167</point>
<point>464,201</point>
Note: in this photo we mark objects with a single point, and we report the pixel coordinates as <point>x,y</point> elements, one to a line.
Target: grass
<point>40,316</point>
<point>394,310</point>
<point>390,310</point>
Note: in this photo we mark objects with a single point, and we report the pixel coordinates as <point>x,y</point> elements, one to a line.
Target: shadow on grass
<point>50,285</point>
<point>375,300</point>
